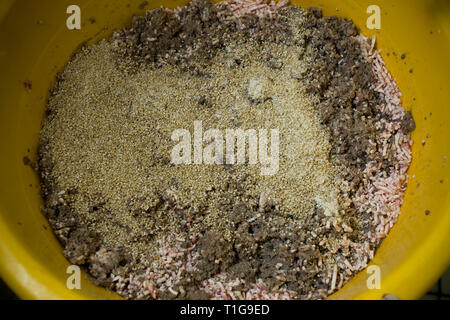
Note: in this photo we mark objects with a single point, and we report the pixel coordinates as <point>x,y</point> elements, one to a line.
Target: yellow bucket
<point>35,44</point>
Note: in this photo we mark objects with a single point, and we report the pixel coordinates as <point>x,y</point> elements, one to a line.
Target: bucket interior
<point>35,45</point>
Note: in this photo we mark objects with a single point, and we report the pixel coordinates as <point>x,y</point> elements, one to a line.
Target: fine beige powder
<point>110,138</point>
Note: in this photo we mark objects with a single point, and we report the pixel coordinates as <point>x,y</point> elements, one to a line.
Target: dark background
<point>5,292</point>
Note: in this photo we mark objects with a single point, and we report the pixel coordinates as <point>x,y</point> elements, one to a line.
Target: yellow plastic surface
<point>35,44</point>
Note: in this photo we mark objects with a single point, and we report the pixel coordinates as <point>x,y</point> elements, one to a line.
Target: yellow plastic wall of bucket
<point>35,44</point>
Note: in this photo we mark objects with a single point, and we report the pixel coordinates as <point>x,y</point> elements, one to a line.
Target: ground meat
<point>190,36</point>
<point>408,123</point>
<point>103,262</point>
<point>26,161</point>
<point>272,251</point>
<point>80,245</point>
<point>342,80</point>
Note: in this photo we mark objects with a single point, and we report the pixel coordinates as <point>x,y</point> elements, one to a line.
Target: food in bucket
<point>238,150</point>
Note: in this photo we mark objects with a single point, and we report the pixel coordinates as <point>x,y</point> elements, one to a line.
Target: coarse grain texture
<point>150,229</point>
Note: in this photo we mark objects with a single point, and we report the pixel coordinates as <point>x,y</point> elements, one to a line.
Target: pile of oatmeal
<point>150,229</point>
